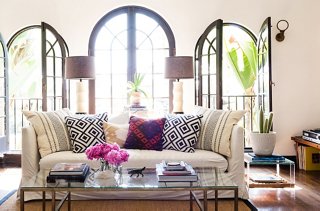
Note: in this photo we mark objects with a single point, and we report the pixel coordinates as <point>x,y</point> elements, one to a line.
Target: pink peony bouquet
<point>111,153</point>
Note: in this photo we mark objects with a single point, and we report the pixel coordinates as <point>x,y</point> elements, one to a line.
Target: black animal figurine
<point>136,171</point>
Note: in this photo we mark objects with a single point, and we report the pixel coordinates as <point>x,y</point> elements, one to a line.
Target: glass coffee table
<point>208,179</point>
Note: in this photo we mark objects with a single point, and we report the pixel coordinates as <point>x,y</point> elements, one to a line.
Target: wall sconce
<point>280,35</point>
<point>178,67</point>
<point>80,67</point>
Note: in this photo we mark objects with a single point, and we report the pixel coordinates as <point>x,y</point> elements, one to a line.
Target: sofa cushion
<point>143,158</point>
<point>52,134</point>
<point>216,127</point>
<point>181,132</point>
<point>115,133</point>
<point>145,133</point>
<point>86,130</point>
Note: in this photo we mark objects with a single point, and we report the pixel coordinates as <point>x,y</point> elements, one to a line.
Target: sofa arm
<point>236,161</point>
<point>237,148</point>
<point>30,153</point>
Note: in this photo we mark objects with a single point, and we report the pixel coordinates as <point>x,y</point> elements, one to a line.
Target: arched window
<point>233,69</point>
<point>126,41</point>
<point>36,74</point>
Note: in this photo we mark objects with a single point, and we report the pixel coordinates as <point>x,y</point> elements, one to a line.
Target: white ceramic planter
<point>135,98</point>
<point>263,143</point>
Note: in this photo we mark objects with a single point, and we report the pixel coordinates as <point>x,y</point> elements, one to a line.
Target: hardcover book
<point>266,158</point>
<point>190,177</point>
<point>265,178</point>
<point>174,165</point>
<point>69,169</point>
<point>69,177</point>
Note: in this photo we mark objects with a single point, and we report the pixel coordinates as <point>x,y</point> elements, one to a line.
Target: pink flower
<point>111,153</point>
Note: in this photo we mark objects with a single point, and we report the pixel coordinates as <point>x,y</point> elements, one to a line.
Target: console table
<point>300,141</point>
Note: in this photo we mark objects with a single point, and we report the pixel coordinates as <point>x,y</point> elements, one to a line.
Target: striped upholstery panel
<point>216,128</point>
<point>52,134</point>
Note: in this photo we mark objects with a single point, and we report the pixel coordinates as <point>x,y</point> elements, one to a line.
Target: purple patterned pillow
<point>145,134</point>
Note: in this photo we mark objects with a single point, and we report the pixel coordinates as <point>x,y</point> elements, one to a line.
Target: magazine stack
<point>175,172</point>
<point>70,172</point>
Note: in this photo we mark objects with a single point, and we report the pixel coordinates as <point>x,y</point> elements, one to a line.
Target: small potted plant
<point>264,141</point>
<point>134,89</point>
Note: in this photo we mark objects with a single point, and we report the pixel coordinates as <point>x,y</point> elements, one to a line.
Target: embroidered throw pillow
<point>86,130</point>
<point>52,134</point>
<point>115,133</point>
<point>145,134</point>
<point>216,128</point>
<point>181,132</point>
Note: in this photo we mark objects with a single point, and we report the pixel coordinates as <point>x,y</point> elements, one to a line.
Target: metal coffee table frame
<point>203,174</point>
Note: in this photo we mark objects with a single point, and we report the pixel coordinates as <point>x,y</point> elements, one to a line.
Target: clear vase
<point>117,169</point>
<point>104,171</point>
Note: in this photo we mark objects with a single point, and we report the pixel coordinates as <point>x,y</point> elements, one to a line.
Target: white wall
<point>296,72</point>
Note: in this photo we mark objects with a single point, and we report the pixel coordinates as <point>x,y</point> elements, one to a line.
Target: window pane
<point>25,65</point>
<point>2,90</point>
<point>104,82</point>
<point>50,86</point>
<point>161,38</point>
<point>50,66</point>
<point>58,66</point>
<point>1,66</point>
<point>58,87</point>
<point>53,48</point>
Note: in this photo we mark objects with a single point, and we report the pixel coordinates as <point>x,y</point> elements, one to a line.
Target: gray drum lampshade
<point>79,67</point>
<point>178,67</point>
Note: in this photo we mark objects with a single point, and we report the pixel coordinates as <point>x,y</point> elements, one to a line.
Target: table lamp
<point>178,67</point>
<point>80,67</point>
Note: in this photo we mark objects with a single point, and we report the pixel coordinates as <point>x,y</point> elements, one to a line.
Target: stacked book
<point>309,158</point>
<point>269,158</point>
<point>265,178</point>
<point>175,172</point>
<point>70,172</point>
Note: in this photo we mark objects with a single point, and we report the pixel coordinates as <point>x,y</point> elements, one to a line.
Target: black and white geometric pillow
<point>86,131</point>
<point>181,132</point>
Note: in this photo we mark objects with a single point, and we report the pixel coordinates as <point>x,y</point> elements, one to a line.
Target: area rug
<point>124,205</point>
<point>9,183</point>
<point>6,196</point>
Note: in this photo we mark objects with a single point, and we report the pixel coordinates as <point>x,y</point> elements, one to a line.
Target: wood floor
<point>305,196</point>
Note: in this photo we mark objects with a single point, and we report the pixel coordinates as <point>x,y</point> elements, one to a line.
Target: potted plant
<point>264,141</point>
<point>134,89</point>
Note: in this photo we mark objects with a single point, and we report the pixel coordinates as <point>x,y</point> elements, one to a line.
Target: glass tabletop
<point>248,159</point>
<point>208,178</point>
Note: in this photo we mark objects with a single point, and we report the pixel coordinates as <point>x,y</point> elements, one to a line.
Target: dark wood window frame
<point>263,43</point>
<point>4,145</point>
<point>48,51</point>
<point>131,11</point>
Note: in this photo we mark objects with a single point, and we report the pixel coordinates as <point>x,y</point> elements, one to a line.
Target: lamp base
<point>82,103</point>
<point>177,97</point>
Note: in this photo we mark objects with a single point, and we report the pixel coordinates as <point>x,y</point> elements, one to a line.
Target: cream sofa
<point>34,167</point>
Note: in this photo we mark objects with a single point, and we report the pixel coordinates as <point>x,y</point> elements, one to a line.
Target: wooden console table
<point>300,141</point>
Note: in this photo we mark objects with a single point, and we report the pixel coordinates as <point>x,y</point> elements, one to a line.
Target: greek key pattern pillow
<point>52,134</point>
<point>86,131</point>
<point>216,128</point>
<point>181,132</point>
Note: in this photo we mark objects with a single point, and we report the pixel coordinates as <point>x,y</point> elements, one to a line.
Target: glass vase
<point>104,171</point>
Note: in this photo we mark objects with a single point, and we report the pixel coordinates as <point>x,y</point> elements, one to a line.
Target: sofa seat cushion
<point>140,158</point>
